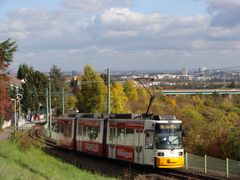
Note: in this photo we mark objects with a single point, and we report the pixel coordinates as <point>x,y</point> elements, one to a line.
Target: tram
<point>154,140</point>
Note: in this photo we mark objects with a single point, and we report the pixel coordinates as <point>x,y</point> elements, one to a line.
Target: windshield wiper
<point>174,140</point>
<point>172,148</point>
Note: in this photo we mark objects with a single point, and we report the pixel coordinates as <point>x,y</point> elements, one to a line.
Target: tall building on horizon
<point>202,69</point>
<point>184,71</point>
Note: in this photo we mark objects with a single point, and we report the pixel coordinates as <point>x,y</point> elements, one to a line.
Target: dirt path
<point>4,134</point>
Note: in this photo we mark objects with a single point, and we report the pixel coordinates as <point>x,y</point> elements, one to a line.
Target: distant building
<point>184,71</point>
<point>202,69</point>
<point>186,77</point>
<point>74,73</point>
<point>11,80</point>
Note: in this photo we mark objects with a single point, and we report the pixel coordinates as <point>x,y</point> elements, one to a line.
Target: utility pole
<point>47,112</point>
<point>50,108</point>
<point>108,95</point>
<point>15,113</point>
<point>63,102</point>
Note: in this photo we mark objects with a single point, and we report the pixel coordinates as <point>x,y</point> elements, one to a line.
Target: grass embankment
<point>35,164</point>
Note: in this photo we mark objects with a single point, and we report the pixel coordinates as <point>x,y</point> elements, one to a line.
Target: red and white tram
<point>155,141</point>
<point>66,132</point>
<point>90,132</point>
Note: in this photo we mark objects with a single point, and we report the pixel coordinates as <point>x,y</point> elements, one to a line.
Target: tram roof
<point>161,118</point>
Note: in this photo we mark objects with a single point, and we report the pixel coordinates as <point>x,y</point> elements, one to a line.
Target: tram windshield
<point>168,136</point>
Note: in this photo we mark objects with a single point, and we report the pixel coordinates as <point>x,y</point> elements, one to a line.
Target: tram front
<point>168,144</point>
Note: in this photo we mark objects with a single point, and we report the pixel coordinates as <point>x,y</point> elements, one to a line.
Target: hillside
<point>35,164</point>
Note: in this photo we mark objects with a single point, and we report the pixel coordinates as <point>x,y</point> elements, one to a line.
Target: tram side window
<point>69,130</point>
<point>61,128</point>
<point>58,127</point>
<point>91,133</point>
<point>120,136</point>
<point>54,127</point>
<point>112,136</point>
<point>149,139</point>
<point>96,135</point>
<point>80,131</point>
<point>129,137</point>
<point>85,133</point>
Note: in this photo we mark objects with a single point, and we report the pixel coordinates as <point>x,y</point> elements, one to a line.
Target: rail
<point>209,165</point>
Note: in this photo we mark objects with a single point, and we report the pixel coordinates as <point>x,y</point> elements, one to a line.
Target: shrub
<point>22,139</point>
<point>1,122</point>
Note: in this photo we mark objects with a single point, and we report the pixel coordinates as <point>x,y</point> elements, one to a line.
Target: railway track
<point>154,173</point>
<point>32,133</point>
<point>112,168</point>
<point>36,133</point>
<point>176,174</point>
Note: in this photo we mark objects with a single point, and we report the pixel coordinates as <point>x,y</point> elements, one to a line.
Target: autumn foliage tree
<point>130,90</point>
<point>92,95</point>
<point>7,50</point>
<point>118,99</point>
<point>5,102</point>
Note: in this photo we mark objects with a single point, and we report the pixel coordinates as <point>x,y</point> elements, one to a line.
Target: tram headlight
<point>180,153</point>
<point>160,154</point>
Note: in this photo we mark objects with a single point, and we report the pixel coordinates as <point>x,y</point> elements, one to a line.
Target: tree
<point>56,79</point>
<point>24,71</point>
<point>232,85</point>
<point>7,50</point>
<point>57,85</point>
<point>27,99</point>
<point>34,88</point>
<point>74,85</point>
<point>5,102</point>
<point>93,92</point>
<point>71,102</point>
<point>130,90</point>
<point>172,101</point>
<point>118,99</point>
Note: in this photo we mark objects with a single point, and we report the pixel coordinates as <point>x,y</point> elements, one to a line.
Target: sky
<point>122,34</point>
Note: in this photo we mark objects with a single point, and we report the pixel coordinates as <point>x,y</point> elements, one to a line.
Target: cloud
<point>113,35</point>
<point>90,6</point>
<point>129,30</point>
<point>224,13</point>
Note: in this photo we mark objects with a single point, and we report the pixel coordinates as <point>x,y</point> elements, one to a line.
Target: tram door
<point>149,143</point>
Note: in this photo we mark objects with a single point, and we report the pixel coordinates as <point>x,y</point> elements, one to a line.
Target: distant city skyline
<point>122,34</point>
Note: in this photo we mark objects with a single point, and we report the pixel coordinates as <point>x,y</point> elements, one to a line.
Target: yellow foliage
<point>118,99</point>
<point>131,90</point>
<point>71,101</point>
<point>171,101</point>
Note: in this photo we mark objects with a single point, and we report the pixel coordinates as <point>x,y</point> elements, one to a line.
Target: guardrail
<point>200,91</point>
<point>207,164</point>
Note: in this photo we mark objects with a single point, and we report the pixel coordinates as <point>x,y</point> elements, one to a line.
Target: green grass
<point>35,164</point>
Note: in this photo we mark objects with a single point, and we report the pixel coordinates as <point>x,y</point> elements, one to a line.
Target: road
<point>5,133</point>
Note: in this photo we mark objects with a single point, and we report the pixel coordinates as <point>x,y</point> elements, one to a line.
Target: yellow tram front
<point>168,139</point>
